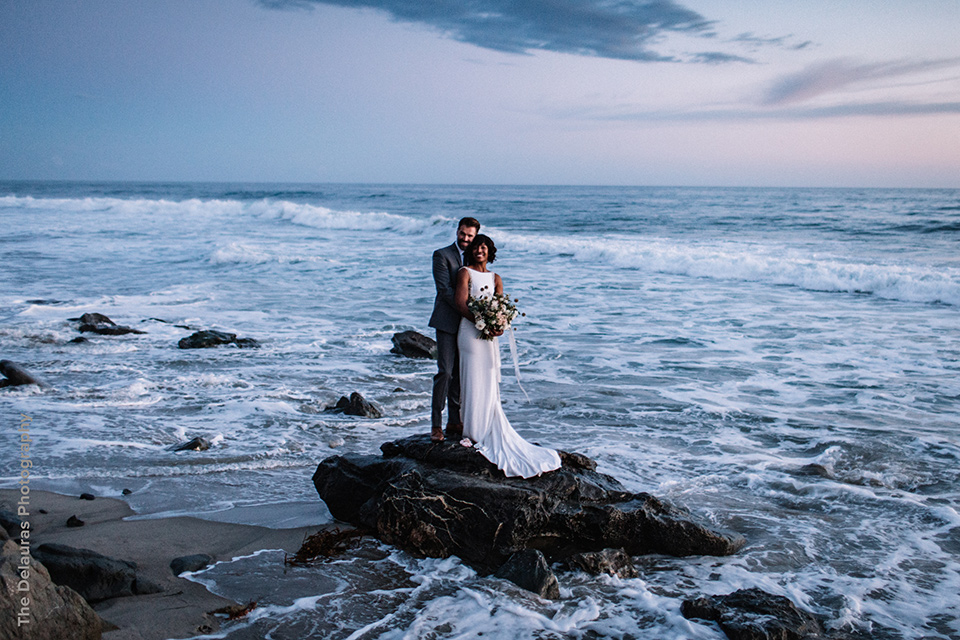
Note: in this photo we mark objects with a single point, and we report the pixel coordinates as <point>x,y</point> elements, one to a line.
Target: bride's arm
<point>461,294</point>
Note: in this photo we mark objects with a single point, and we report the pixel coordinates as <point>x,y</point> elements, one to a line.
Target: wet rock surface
<point>195,444</point>
<point>615,562</point>
<point>753,614</point>
<point>356,405</point>
<point>194,562</point>
<point>15,375</point>
<point>414,345</point>
<point>528,569</point>
<point>211,338</point>
<point>54,612</point>
<point>102,325</point>
<point>442,499</point>
<point>94,576</point>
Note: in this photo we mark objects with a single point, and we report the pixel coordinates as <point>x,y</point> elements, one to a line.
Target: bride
<point>483,419</point>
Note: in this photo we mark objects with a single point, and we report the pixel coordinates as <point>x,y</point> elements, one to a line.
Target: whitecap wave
<point>755,263</point>
<point>308,215</point>
<point>319,217</point>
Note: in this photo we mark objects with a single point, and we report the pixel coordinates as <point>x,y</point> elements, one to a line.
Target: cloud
<point>618,29</point>
<point>783,42</point>
<point>835,75</point>
<point>716,57</point>
<point>891,108</point>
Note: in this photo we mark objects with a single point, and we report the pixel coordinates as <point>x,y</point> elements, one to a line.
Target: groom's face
<point>465,236</point>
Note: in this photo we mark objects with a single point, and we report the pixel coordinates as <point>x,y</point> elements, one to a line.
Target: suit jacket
<point>446,264</point>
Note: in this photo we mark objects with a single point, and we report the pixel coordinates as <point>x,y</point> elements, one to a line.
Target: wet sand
<point>182,609</point>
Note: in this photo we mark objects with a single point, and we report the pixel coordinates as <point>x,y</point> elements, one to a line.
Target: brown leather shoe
<point>455,430</point>
<point>436,434</point>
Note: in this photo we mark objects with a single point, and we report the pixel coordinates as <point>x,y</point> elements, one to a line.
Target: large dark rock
<point>53,612</point>
<point>101,324</point>
<point>10,523</point>
<point>212,338</point>
<point>753,614</point>
<point>94,576</point>
<point>356,405</point>
<point>414,345</point>
<point>442,499</point>
<point>15,375</point>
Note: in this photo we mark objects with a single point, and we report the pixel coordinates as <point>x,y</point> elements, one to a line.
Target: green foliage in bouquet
<point>493,313</point>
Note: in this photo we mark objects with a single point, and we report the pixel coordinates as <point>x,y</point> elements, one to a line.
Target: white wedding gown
<point>483,419</point>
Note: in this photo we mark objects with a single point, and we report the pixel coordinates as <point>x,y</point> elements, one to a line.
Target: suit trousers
<point>446,384</point>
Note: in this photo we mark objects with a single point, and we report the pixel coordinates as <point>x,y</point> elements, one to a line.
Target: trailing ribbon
<point>516,365</point>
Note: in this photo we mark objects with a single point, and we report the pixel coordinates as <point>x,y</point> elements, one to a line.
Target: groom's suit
<point>446,320</point>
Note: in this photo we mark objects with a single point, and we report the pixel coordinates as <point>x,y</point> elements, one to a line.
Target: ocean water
<point>783,362</point>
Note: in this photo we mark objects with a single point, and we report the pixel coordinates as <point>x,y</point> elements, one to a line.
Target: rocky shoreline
<point>127,565</point>
<point>429,499</point>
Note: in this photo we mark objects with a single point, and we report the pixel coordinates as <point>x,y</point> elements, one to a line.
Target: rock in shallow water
<point>528,570</point>
<point>356,405</point>
<point>101,324</point>
<point>15,375</point>
<point>414,345</point>
<point>753,614</point>
<point>441,499</point>
<point>196,444</point>
<point>212,338</point>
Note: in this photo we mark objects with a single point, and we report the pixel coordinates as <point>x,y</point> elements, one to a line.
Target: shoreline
<point>182,609</point>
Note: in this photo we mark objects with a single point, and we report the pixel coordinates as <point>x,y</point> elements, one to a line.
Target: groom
<point>446,320</point>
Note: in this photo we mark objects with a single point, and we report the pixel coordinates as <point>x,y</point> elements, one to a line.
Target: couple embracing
<point>468,366</point>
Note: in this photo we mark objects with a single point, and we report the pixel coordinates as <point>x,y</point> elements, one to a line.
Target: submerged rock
<point>212,338</point>
<point>101,324</point>
<point>442,499</point>
<point>196,444</point>
<point>356,405</point>
<point>15,375</point>
<point>753,614</point>
<point>94,576</point>
<point>414,345</point>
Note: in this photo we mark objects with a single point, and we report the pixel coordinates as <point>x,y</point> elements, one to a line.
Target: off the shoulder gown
<point>484,421</point>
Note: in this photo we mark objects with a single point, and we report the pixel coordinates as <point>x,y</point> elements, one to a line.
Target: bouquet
<point>492,313</point>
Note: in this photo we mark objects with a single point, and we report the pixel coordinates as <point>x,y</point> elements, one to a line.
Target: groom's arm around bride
<point>446,320</point>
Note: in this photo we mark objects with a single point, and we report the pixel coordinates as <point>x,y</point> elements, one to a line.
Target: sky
<point>592,92</point>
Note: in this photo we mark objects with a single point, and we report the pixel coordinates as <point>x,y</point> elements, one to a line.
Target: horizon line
<point>460,184</point>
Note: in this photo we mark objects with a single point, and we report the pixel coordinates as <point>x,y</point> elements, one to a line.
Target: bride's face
<point>480,253</point>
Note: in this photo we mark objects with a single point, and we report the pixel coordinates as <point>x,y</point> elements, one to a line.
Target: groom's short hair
<point>469,222</point>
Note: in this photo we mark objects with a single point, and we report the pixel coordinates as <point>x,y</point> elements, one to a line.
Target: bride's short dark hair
<point>478,240</point>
